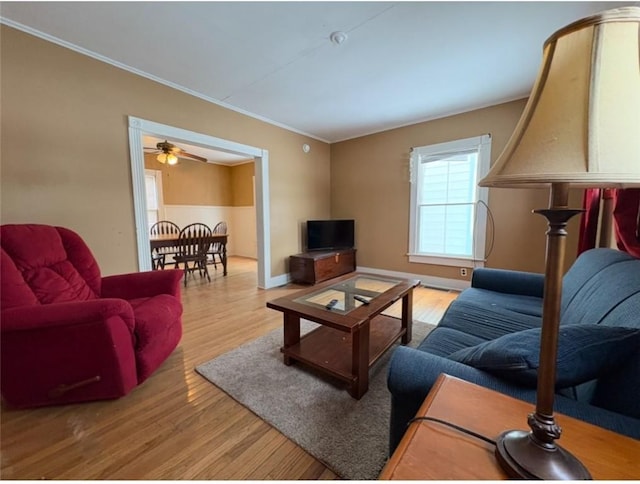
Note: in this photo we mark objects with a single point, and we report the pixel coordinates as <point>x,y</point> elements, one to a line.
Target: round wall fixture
<point>338,37</point>
<point>306,148</point>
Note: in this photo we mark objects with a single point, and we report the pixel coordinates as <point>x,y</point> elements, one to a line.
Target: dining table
<point>171,240</point>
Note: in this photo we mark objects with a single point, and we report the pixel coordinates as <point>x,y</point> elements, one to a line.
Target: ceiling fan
<point>169,153</point>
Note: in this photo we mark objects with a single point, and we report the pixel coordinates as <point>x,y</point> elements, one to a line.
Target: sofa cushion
<point>486,318</point>
<point>603,292</point>
<point>585,352</point>
<point>587,266</point>
<point>444,341</point>
<point>527,305</point>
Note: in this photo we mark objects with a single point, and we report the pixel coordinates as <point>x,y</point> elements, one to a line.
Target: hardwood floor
<point>177,425</point>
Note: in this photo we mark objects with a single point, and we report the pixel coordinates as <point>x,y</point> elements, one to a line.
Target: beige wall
<point>370,183</point>
<point>242,185</point>
<point>65,161</point>
<point>65,150</point>
<point>193,182</point>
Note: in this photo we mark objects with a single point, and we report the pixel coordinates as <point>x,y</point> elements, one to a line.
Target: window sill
<point>446,261</point>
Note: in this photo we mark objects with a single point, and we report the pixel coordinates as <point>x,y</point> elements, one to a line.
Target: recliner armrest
<point>142,284</point>
<point>59,315</point>
<point>508,281</point>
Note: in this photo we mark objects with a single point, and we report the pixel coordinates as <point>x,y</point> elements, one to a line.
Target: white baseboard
<point>277,281</point>
<point>429,281</point>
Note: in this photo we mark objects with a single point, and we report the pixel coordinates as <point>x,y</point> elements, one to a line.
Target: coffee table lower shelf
<point>330,350</point>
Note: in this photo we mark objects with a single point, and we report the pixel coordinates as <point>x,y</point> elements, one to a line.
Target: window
<point>153,186</point>
<point>448,209</point>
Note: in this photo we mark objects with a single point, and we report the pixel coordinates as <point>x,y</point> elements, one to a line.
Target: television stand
<point>319,265</point>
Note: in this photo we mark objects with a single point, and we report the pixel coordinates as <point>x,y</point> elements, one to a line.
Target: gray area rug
<point>349,436</point>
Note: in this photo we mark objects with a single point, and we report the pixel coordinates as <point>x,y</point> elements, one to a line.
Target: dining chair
<point>158,256</point>
<point>217,247</point>
<point>194,241</point>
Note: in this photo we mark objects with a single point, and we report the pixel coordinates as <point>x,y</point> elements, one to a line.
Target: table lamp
<point>580,128</point>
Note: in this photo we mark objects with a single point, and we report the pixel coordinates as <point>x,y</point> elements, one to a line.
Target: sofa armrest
<point>46,348</point>
<point>510,282</point>
<point>412,374</point>
<point>142,284</point>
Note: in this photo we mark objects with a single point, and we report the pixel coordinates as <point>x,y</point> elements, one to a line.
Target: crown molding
<point>138,72</point>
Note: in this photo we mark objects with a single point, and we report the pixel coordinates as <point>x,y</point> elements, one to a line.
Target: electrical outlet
<point>463,271</point>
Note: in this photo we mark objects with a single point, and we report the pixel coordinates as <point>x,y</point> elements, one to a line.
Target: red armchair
<point>69,335</point>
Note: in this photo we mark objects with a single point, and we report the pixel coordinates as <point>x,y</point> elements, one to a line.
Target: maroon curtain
<point>626,212</point>
<point>626,219</point>
<point>589,220</point>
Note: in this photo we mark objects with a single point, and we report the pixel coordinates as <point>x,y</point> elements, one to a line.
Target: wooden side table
<point>432,451</point>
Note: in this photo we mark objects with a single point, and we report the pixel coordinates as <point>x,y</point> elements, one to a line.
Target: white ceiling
<point>402,63</point>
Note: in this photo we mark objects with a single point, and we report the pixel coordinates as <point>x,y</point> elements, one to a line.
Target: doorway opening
<point>140,127</point>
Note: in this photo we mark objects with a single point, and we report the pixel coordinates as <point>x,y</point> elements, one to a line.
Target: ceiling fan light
<point>168,158</point>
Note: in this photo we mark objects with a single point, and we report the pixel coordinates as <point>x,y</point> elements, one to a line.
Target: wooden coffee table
<point>352,335</point>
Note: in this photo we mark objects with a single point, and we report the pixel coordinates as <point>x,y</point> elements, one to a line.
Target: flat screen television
<point>330,234</point>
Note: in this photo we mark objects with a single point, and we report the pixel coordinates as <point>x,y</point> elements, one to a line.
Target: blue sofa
<point>598,375</point>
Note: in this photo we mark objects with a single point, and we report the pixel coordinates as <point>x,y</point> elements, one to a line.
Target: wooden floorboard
<point>177,425</point>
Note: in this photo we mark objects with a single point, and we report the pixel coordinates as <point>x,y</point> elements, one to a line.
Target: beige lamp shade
<point>581,124</point>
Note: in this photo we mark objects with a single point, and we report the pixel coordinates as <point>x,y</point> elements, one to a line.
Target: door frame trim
<point>138,127</point>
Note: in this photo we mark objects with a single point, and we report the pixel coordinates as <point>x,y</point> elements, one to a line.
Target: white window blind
<point>152,193</point>
<point>447,227</point>
<point>151,183</point>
